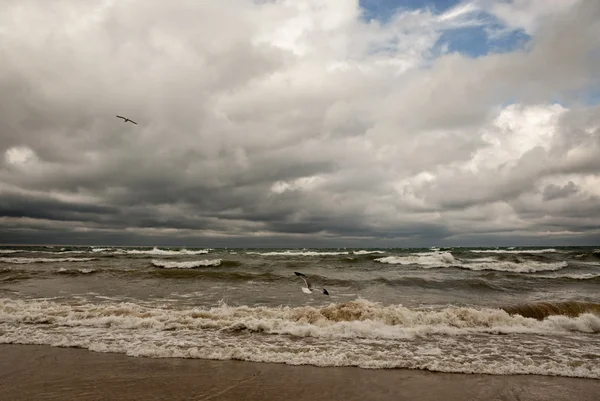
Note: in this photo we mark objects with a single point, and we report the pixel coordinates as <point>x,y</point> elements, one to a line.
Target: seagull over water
<point>309,288</point>
<point>127,119</point>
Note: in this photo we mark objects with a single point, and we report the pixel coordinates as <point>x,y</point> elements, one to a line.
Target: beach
<point>33,372</point>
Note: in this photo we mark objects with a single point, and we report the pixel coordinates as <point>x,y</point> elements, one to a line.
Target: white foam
<point>43,260</point>
<point>187,264</point>
<point>358,333</point>
<point>10,250</point>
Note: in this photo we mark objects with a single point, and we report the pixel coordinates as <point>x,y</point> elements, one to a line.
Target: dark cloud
<point>553,191</point>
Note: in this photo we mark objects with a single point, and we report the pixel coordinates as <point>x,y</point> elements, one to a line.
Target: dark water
<point>501,311</point>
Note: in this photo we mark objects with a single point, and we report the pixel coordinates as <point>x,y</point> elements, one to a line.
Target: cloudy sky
<point>300,122</point>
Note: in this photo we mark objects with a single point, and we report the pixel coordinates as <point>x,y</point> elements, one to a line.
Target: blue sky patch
<point>473,41</point>
<point>382,10</point>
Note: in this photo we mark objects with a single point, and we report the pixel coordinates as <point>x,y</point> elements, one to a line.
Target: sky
<point>300,123</point>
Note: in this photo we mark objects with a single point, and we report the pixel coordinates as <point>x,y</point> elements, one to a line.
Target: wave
<point>299,253</point>
<point>541,310</point>
<point>446,259</point>
<point>153,251</point>
<point>524,267</point>
<point>158,251</point>
<point>363,252</point>
<point>585,276</point>
<point>357,333</point>
<point>62,251</point>
<point>424,259</point>
<point>370,319</point>
<point>75,272</point>
<point>549,250</point>
<point>107,250</point>
<point>187,264</point>
<point>16,260</point>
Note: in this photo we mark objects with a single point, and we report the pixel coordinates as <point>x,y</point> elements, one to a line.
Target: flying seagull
<point>309,288</point>
<point>127,119</point>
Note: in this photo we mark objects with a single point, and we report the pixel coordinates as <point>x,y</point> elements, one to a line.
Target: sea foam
<point>358,333</point>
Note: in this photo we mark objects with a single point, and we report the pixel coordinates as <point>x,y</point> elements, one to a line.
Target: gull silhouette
<point>309,288</point>
<point>127,119</point>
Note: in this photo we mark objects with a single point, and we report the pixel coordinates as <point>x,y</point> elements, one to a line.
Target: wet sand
<point>31,372</point>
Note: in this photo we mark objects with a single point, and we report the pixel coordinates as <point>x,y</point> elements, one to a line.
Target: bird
<point>309,288</point>
<point>127,119</point>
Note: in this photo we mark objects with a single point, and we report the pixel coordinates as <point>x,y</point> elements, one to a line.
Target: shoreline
<point>41,372</point>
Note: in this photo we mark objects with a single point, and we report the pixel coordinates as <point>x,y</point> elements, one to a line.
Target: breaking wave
<point>357,333</point>
<point>16,260</point>
<point>158,251</point>
<point>75,272</point>
<point>549,250</point>
<point>541,310</point>
<point>298,253</point>
<point>187,264</point>
<point>446,259</point>
<point>355,319</point>
<point>431,259</point>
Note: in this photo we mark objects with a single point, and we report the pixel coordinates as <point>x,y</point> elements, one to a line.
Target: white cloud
<point>19,155</point>
<point>528,14</point>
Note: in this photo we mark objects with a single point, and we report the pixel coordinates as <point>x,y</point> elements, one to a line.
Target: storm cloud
<point>297,123</point>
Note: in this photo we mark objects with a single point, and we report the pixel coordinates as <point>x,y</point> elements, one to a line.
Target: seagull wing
<point>303,277</point>
<point>122,117</point>
<point>133,122</point>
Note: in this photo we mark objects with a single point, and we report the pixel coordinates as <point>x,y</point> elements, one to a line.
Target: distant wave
<point>187,264</point>
<point>157,251</point>
<point>154,251</point>
<point>43,260</point>
<point>446,259</point>
<point>549,250</point>
<point>424,259</point>
<point>298,253</point>
<point>62,270</point>
<point>524,267</point>
<point>574,276</point>
<point>367,252</point>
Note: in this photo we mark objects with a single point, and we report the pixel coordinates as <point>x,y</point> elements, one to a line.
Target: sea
<point>500,311</point>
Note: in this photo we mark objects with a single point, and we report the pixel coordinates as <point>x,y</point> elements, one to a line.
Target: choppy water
<point>498,311</point>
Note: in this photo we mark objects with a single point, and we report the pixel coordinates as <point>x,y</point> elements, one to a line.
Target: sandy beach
<point>30,372</point>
